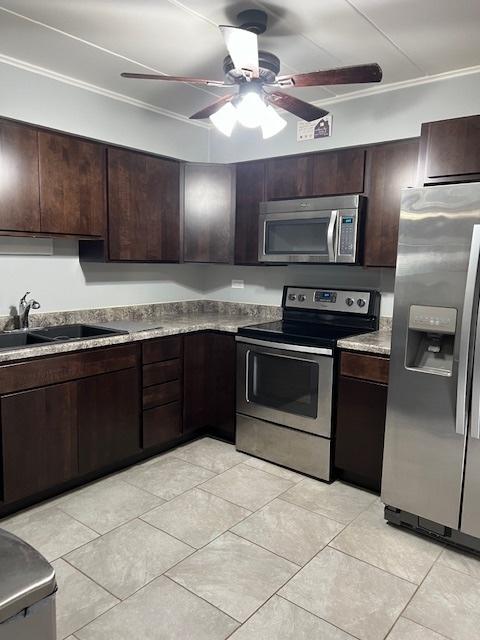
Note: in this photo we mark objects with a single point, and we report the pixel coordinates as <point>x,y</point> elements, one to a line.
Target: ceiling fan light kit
<point>254,72</point>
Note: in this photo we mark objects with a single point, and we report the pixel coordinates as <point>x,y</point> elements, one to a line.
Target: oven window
<point>302,236</point>
<point>283,383</point>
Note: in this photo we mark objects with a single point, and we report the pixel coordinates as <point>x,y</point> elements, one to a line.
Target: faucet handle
<point>35,304</point>
<point>23,300</point>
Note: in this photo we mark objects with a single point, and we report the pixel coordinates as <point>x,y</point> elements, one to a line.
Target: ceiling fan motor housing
<point>253,20</point>
<point>268,63</point>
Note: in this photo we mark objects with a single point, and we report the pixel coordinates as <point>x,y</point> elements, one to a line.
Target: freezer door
<point>470,523</point>
<point>437,266</point>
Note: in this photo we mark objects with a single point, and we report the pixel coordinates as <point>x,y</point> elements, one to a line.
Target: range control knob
<point>302,298</point>
<point>349,301</point>
<point>292,296</point>
<point>361,302</point>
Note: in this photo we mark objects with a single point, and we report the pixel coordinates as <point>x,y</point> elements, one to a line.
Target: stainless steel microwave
<point>311,230</point>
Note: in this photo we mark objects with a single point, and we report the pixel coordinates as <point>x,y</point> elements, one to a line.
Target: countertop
<point>168,325</point>
<point>375,342</point>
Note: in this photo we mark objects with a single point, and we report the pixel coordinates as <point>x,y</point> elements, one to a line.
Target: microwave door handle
<point>465,332</point>
<point>331,237</point>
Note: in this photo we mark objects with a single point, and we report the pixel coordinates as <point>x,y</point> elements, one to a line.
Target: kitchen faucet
<point>24,308</point>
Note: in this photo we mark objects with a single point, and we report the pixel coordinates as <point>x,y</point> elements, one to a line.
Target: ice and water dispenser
<point>430,339</point>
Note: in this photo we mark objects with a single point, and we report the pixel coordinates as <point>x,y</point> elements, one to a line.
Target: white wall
<point>264,285</point>
<point>45,101</point>
<point>61,282</point>
<point>375,118</point>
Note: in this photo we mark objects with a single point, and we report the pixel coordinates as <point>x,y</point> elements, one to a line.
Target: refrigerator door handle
<point>475,410</point>
<point>466,330</point>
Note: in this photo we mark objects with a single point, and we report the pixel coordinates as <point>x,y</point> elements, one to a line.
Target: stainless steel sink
<point>18,339</point>
<point>65,332</point>
<point>48,335</point>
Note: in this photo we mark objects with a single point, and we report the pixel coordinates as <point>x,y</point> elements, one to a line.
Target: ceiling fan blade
<point>300,108</point>
<point>154,76</point>
<point>342,75</point>
<point>242,46</point>
<point>206,112</point>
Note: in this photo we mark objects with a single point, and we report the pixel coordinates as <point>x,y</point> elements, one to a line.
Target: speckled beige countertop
<point>375,342</point>
<point>152,321</point>
<point>144,322</point>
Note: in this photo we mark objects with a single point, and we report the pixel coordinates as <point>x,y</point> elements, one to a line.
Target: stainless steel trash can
<point>27,592</point>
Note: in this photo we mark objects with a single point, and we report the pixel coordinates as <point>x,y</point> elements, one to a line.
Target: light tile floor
<point>205,543</point>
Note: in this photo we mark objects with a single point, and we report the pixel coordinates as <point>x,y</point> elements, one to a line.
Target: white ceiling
<point>93,41</point>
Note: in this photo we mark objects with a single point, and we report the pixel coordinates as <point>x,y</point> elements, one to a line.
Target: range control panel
<point>328,300</point>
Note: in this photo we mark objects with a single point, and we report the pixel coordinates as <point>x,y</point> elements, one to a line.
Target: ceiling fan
<point>254,72</point>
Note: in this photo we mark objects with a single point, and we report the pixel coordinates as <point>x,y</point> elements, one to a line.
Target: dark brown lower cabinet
<point>360,428</point>
<point>108,419</point>
<point>162,425</point>
<point>39,439</point>
<point>209,384</point>
<point>65,416</point>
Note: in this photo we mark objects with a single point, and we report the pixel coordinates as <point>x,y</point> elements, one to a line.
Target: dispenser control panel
<point>432,319</point>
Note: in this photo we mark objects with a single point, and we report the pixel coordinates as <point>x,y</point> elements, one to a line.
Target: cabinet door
<point>250,190</point>
<point>209,213</point>
<point>39,439</point>
<point>338,172</point>
<point>143,207</point>
<point>390,167</point>
<point>19,204</point>
<point>197,358</point>
<point>72,185</point>
<point>450,150</point>
<point>361,409</point>
<point>108,419</point>
<point>222,384</point>
<point>209,383</point>
<point>289,177</point>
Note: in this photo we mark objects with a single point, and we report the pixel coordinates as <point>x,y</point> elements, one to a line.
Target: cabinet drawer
<point>52,370</point>
<point>161,372</point>
<point>162,349</point>
<point>365,367</point>
<point>162,424</point>
<point>159,394</point>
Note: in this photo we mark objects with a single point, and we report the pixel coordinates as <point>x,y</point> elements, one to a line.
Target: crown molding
<point>86,86</point>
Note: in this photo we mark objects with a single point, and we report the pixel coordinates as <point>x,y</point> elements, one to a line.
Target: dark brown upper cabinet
<point>143,207</point>
<point>250,191</point>
<point>19,195</point>
<point>72,185</point>
<point>450,151</point>
<point>338,172</point>
<point>390,167</point>
<point>209,213</point>
<point>289,177</point>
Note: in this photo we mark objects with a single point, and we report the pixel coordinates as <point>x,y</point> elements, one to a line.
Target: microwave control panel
<point>347,236</point>
<point>328,300</point>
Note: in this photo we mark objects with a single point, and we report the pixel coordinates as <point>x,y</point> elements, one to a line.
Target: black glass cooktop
<point>303,333</point>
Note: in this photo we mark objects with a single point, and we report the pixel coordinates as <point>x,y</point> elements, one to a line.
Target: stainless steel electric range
<point>285,376</point>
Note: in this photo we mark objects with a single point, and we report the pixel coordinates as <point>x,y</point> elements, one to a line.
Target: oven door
<point>298,237</point>
<point>287,384</point>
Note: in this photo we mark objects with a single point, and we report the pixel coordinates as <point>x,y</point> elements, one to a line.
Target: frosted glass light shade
<point>271,123</point>
<point>250,110</point>
<point>225,119</point>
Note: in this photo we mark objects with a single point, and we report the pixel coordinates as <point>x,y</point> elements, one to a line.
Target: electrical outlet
<point>238,284</point>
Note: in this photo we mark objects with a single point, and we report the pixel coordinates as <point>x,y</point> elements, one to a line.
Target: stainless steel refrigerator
<point>431,467</point>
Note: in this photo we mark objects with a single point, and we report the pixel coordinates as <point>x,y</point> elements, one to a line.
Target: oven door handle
<point>321,351</point>
<point>331,236</point>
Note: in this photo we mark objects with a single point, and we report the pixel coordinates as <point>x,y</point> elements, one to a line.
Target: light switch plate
<point>238,284</point>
